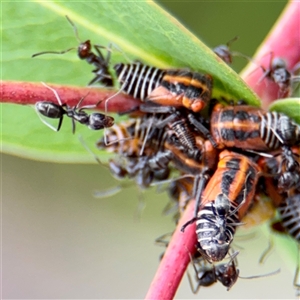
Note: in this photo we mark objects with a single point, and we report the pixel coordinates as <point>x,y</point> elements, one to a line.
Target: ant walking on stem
<point>94,121</point>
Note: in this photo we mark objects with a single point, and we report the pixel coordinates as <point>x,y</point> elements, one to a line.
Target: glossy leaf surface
<point>143,31</point>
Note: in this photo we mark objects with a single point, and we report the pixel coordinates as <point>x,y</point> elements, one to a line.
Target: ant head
<point>100,121</point>
<point>64,51</point>
<point>227,274</point>
<point>223,52</point>
<point>84,49</point>
<point>278,63</point>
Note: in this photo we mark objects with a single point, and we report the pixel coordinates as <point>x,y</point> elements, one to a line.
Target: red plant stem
<point>284,42</point>
<point>31,92</point>
<point>175,260</point>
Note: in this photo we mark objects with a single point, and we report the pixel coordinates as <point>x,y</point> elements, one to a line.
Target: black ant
<point>98,60</point>
<point>226,273</point>
<point>94,121</point>
<point>207,275</point>
<point>279,74</point>
<point>224,52</point>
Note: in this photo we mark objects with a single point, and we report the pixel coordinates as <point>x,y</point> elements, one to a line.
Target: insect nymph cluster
<point>225,155</point>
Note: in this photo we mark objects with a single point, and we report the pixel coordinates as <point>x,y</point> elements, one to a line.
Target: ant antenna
<point>64,51</point>
<point>53,52</point>
<point>75,29</point>
<point>261,275</point>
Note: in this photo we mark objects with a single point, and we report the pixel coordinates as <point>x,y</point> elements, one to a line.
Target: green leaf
<point>288,106</point>
<point>141,29</point>
<point>24,135</point>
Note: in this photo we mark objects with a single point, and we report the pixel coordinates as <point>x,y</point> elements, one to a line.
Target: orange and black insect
<point>135,137</point>
<point>252,128</point>
<point>178,88</point>
<point>94,121</point>
<point>225,200</point>
<point>84,50</point>
<point>198,168</point>
<point>198,162</point>
<point>140,147</point>
<point>175,120</point>
<point>179,121</point>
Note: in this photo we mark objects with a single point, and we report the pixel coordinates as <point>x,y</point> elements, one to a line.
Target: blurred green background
<point>58,241</point>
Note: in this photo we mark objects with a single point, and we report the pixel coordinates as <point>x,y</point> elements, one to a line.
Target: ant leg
<point>190,222</point>
<point>146,136</point>
<point>202,129</point>
<point>62,112</point>
<point>108,99</point>
<point>266,73</point>
<point>105,60</point>
<point>199,184</point>
<point>47,124</point>
<point>194,289</point>
<point>54,92</point>
<point>152,108</point>
<point>109,49</point>
<point>73,126</point>
<point>59,123</point>
<point>267,251</point>
<point>162,240</point>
